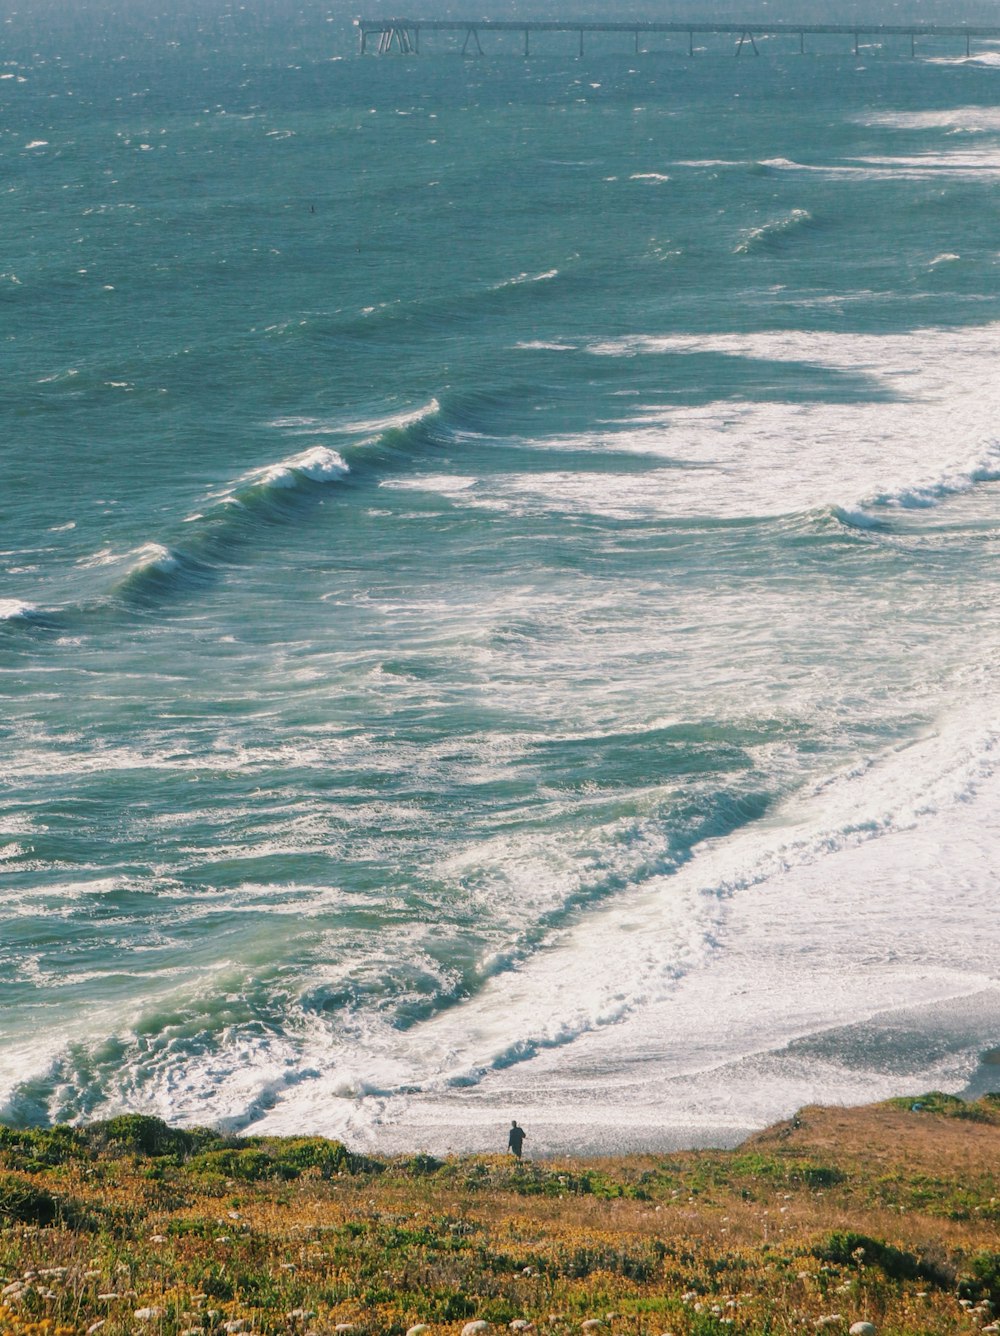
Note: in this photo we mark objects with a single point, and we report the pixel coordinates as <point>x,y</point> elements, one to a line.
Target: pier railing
<point>403,35</point>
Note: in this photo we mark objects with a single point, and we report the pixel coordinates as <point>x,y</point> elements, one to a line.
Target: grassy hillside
<point>887,1214</point>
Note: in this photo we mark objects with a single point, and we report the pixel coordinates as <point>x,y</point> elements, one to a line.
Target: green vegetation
<point>887,1215</point>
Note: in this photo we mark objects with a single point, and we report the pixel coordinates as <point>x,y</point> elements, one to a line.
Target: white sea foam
<point>319,464</point>
<point>959,164</point>
<point>77,755</point>
<point>104,557</point>
<point>446,484</point>
<point>11,608</point>
<point>544,345</point>
<point>713,162</point>
<point>984,466</point>
<point>752,945</point>
<point>525,277</point>
<point>973,119</point>
<point>933,435</point>
<point>155,557</point>
<point>991,59</point>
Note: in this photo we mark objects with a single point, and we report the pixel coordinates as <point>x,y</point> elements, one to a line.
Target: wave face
<point>495,648</point>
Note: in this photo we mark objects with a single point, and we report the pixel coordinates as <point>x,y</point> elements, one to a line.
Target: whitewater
<point>499,582</point>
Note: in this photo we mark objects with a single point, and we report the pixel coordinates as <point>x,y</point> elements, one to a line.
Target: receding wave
<point>408,1024</point>
<point>234,1038</point>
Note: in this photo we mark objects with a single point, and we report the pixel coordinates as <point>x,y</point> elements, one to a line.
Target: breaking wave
<point>14,608</point>
<point>772,233</point>
<point>982,468</point>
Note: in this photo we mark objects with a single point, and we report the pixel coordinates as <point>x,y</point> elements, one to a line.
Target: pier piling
<point>403,35</point>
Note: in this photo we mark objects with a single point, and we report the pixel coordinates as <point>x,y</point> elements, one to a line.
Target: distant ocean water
<point>499,608</point>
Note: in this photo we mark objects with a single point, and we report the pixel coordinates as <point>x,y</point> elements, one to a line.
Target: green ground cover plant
<point>887,1215</point>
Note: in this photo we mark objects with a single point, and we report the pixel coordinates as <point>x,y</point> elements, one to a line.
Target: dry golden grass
<point>886,1214</point>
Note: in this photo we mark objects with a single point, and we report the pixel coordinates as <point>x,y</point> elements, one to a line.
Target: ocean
<point>500,570</point>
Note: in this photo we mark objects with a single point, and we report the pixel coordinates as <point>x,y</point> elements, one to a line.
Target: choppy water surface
<point>499,600</point>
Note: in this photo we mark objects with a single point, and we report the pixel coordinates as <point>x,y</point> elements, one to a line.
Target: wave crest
<point>11,609</point>
<point>317,464</point>
<point>768,233</point>
<point>924,495</point>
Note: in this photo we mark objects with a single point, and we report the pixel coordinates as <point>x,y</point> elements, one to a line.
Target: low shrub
<point>36,1148</point>
<point>248,1166</point>
<point>935,1101</point>
<point>253,1161</point>
<point>851,1249</point>
<point>983,1278</point>
<point>141,1134</point>
<point>25,1203</point>
<point>329,1157</point>
<point>423,1163</point>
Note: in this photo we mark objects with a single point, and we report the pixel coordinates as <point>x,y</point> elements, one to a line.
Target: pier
<point>404,35</point>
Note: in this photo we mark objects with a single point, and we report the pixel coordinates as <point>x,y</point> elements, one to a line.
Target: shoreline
<point>625,1098</point>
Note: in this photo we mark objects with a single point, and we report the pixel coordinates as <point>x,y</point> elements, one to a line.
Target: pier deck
<point>404,35</point>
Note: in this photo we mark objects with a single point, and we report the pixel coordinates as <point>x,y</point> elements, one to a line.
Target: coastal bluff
<point>879,1218</point>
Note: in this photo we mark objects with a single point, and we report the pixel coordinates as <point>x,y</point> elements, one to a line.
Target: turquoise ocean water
<point>499,600</point>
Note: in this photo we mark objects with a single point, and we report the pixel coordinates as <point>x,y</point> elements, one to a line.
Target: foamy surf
<point>549,672</point>
<point>318,464</point>
<point>153,557</point>
<point>972,119</point>
<point>736,914</point>
<point>931,392</point>
<point>15,608</point>
<point>797,909</point>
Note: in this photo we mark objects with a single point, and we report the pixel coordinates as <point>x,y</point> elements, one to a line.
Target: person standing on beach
<point>515,1138</point>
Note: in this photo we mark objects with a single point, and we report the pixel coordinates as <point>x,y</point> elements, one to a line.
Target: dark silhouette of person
<point>515,1138</point>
